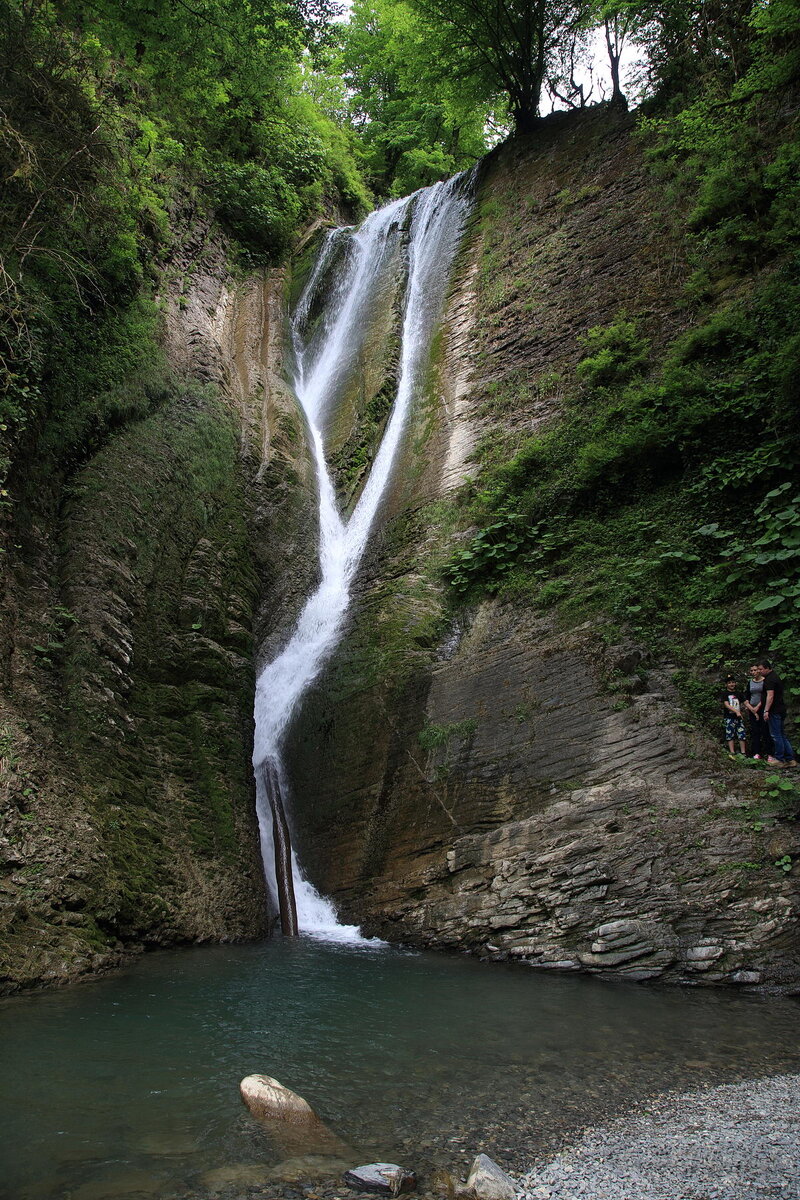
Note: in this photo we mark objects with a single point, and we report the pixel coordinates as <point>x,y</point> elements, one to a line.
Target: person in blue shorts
<point>732,702</point>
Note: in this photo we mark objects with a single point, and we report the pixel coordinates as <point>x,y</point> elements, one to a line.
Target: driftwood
<point>283,850</point>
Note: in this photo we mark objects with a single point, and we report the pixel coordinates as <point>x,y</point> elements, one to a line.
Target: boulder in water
<point>386,1178</point>
<point>487,1181</point>
<point>269,1100</point>
<point>289,1120</point>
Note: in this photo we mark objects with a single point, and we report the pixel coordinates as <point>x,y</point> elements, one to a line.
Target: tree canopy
<point>118,121</point>
<point>415,122</point>
<point>506,44</point>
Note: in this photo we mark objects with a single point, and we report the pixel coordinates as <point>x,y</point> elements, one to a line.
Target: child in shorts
<point>734,724</point>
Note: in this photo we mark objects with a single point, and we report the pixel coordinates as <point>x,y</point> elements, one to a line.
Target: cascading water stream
<point>323,362</point>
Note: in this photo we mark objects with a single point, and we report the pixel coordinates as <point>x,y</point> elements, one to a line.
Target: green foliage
<point>614,353</point>
<point>699,698</point>
<point>772,552</point>
<point>489,554</point>
<point>687,48</point>
<point>783,796</point>
<point>258,206</point>
<point>54,632</point>
<point>119,125</point>
<point>505,50</point>
<point>434,736</point>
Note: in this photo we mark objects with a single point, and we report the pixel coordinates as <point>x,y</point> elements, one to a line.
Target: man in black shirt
<point>775,715</point>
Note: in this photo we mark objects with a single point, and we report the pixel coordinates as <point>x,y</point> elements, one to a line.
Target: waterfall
<point>323,359</point>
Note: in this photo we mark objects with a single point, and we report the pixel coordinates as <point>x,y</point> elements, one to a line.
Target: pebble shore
<point>735,1142</point>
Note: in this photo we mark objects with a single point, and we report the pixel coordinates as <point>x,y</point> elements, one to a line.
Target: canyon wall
<point>487,777</point>
<point>138,582</point>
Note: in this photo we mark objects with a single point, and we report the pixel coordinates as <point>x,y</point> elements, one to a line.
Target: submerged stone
<point>234,1175</point>
<point>387,1178</point>
<point>442,1183</point>
<point>133,1185</point>
<point>307,1166</point>
<point>167,1143</point>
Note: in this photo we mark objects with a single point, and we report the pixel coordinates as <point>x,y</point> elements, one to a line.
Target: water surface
<point>418,1058</point>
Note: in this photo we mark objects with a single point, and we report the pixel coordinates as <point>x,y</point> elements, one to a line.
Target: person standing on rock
<point>760,741</point>
<point>775,715</point>
<point>732,709</point>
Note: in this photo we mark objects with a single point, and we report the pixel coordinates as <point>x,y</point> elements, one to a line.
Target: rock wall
<point>139,584</point>
<point>486,779</point>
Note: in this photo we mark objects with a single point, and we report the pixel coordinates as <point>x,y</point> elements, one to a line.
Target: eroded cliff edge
<point>494,780</point>
<point>140,576</point>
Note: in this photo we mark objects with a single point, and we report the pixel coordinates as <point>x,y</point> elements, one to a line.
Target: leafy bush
<point>259,206</point>
<point>113,120</point>
<point>614,353</point>
<point>489,553</point>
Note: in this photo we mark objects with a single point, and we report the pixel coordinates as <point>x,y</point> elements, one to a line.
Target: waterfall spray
<point>323,360</point>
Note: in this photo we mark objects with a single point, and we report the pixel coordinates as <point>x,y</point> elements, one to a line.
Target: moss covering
<point>141,707</point>
<point>158,518</point>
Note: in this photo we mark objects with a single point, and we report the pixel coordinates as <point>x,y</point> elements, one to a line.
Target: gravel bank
<point>736,1142</point>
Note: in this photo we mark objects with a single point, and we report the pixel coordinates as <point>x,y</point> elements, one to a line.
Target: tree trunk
<point>525,120</point>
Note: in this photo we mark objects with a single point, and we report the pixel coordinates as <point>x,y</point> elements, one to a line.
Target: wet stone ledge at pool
<point>537,905</point>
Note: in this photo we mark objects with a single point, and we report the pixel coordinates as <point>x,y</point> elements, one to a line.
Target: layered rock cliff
<point>488,777</point>
<point>138,582</point>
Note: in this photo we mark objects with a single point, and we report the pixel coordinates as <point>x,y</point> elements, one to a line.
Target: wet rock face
<point>545,823</point>
<point>232,335</point>
<point>158,677</point>
<point>488,780</point>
